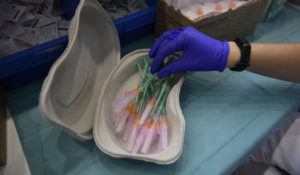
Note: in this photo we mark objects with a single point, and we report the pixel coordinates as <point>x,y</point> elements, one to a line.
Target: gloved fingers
<point>157,43</point>
<point>170,45</point>
<point>174,67</point>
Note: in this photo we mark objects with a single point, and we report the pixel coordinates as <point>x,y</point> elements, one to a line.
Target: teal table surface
<point>228,115</point>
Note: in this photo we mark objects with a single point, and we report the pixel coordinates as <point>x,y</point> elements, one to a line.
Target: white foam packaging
<point>77,94</point>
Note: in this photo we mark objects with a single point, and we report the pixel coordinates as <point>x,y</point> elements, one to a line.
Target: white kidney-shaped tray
<point>78,92</point>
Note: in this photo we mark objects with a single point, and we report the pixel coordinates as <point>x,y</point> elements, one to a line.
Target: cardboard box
<point>225,26</point>
<point>2,125</point>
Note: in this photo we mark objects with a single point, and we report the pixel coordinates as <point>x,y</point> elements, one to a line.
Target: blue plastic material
<point>136,25</point>
<point>129,27</point>
<point>35,62</point>
<point>69,7</point>
<point>32,63</point>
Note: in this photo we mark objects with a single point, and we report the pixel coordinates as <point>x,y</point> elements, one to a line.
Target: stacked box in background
<point>273,8</point>
<point>225,26</point>
<point>2,125</point>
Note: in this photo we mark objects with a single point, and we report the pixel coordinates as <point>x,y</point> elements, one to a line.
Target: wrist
<point>234,55</point>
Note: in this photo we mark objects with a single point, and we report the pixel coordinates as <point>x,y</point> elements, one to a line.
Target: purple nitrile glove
<point>200,52</point>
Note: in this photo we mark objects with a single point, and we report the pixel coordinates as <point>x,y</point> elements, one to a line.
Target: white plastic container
<point>76,95</point>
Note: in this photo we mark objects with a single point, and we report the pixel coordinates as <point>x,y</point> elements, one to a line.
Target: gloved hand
<point>200,52</point>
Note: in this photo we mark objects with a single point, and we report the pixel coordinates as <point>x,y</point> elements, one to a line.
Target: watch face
<point>245,48</point>
<point>246,45</point>
<point>244,41</point>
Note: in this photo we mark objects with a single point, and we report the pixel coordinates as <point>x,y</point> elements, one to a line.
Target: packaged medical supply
<point>25,24</point>
<point>145,104</point>
<point>93,96</point>
<point>220,19</point>
<point>118,9</point>
<point>196,10</point>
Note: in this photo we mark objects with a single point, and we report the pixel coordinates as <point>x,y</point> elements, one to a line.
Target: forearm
<point>280,61</point>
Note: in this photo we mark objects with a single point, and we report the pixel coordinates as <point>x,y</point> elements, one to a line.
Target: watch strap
<point>245,49</point>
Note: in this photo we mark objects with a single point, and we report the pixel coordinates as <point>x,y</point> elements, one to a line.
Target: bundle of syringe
<point>140,115</point>
<point>196,10</point>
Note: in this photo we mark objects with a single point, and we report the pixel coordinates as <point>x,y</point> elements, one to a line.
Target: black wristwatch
<point>245,48</point>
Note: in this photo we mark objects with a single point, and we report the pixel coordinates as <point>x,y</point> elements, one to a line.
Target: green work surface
<point>228,115</point>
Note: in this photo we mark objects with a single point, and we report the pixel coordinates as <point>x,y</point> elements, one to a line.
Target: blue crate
<point>135,25</point>
<point>23,66</point>
<point>35,62</point>
<point>129,27</point>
